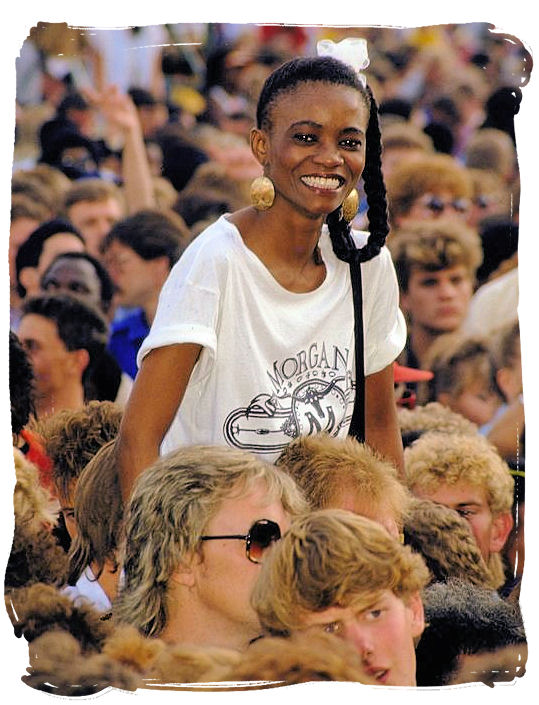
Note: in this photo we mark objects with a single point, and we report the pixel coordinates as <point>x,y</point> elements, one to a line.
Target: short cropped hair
<point>462,619</point>
<point>73,436</point>
<point>107,286</point>
<point>442,458</point>
<point>434,245</point>
<point>332,558</point>
<point>321,465</point>
<point>446,542</point>
<point>427,173</point>
<point>80,326</point>
<point>151,234</point>
<point>171,505</point>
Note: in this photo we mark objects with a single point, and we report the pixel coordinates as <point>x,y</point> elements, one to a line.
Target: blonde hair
<point>441,458</point>
<point>426,173</point>
<point>332,558</point>
<point>98,514</point>
<point>171,505</point>
<point>434,417</point>
<point>322,465</point>
<point>446,542</point>
<point>434,245</point>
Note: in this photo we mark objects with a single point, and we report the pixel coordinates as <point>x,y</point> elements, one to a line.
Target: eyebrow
<point>317,125</point>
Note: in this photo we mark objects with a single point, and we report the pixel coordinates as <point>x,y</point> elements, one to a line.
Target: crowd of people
<point>228,470</point>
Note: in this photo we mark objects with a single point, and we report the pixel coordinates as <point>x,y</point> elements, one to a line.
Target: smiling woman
<point>263,287</point>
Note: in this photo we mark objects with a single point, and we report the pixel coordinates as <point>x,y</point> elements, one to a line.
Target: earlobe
<point>501,528</point>
<point>185,573</point>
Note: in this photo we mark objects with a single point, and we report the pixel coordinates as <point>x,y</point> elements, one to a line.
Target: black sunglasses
<point>260,536</point>
<point>436,205</point>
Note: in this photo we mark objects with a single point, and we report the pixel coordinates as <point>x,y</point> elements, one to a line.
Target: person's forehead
<point>36,327</point>
<point>75,268</point>
<point>96,206</point>
<point>303,100</point>
<point>461,492</point>
<point>357,603</point>
<point>458,269</point>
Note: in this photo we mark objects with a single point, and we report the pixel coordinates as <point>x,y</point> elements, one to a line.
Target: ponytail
<point>339,229</point>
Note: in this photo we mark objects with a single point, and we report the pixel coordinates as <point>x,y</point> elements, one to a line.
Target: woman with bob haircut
<point>253,341</point>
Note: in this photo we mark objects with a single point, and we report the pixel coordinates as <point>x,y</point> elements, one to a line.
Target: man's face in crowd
<point>94,219</point>
<point>75,277</point>
<point>133,276</point>
<point>223,576</point>
<point>438,301</point>
<point>52,362</point>
<point>470,501</point>
<point>382,633</point>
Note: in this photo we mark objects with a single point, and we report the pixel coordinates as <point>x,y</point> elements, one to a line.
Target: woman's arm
<point>382,431</point>
<point>156,395</point>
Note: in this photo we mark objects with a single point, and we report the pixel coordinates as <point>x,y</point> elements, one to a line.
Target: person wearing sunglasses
<point>428,187</point>
<point>341,573</point>
<point>198,526</point>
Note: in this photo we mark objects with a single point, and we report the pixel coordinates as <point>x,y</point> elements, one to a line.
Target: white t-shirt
<point>88,590</point>
<point>274,364</point>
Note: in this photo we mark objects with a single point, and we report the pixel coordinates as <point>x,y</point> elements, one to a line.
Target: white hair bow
<point>351,51</point>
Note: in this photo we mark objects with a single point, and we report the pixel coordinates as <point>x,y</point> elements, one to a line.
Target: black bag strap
<point>357,424</point>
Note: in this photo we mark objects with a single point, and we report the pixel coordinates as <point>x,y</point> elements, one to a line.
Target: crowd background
<point>189,91</point>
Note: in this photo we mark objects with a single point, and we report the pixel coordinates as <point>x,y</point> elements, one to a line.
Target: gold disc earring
<point>262,193</point>
<point>350,206</point>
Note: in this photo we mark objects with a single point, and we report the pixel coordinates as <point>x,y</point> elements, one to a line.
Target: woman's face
<point>314,151</point>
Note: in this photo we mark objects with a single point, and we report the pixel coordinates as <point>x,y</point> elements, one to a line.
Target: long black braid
<point>375,190</point>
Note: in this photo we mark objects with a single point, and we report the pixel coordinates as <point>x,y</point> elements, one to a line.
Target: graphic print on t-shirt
<point>310,393</point>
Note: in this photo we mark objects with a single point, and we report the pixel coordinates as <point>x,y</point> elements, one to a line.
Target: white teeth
<point>325,182</point>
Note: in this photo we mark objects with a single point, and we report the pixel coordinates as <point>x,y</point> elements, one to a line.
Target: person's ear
<point>186,573</point>
<point>415,605</point>
<point>81,359</point>
<point>259,145</point>
<point>501,528</point>
<point>29,278</point>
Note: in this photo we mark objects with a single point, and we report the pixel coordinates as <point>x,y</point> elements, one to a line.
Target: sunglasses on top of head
<point>260,536</point>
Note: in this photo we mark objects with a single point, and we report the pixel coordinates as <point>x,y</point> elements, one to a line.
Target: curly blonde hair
<point>171,505</point>
<point>332,558</point>
<point>438,458</point>
<point>434,417</point>
<point>322,466</point>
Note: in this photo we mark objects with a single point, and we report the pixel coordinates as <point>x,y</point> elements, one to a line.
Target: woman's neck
<point>287,247</point>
